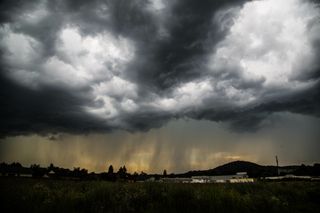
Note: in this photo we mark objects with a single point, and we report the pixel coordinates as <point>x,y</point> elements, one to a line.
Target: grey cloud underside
<point>51,110</point>
<point>169,76</point>
<point>252,119</point>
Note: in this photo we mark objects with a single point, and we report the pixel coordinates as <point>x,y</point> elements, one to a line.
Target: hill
<point>254,170</point>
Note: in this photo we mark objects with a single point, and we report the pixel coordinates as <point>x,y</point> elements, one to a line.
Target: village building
<point>240,177</point>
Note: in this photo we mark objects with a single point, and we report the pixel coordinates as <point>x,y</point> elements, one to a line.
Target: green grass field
<point>45,195</point>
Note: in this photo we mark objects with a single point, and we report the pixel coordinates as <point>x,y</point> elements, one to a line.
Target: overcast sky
<point>154,84</point>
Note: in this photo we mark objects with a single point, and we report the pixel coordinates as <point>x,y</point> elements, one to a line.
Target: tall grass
<point>32,195</point>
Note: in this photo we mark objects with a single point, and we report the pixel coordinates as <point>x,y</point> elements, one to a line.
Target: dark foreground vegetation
<point>49,195</point>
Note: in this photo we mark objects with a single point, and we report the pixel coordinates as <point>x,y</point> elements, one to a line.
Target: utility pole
<point>277,165</point>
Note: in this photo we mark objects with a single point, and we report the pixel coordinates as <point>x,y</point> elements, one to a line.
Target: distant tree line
<point>77,173</point>
<point>16,169</point>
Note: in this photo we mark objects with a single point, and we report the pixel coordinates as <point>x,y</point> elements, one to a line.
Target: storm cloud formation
<point>95,66</point>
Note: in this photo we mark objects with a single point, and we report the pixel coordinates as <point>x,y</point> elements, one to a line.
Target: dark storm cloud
<point>9,8</point>
<point>179,58</point>
<point>82,66</point>
<point>24,111</point>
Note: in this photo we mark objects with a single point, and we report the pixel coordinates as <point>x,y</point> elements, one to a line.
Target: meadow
<point>47,195</point>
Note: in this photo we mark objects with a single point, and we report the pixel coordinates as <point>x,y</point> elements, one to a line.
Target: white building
<point>240,177</point>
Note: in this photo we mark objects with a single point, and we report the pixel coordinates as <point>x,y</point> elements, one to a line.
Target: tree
<point>15,169</point>
<point>4,168</point>
<point>164,172</point>
<point>110,170</point>
<point>37,171</point>
<point>143,176</point>
<point>76,171</point>
<point>51,167</point>
<point>122,172</point>
<point>79,173</point>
